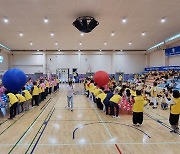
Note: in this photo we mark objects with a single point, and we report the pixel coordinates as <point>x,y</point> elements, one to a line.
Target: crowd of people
<point>131,97</point>
<point>32,94</point>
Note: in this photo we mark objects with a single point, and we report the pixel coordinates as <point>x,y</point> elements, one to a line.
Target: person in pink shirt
<point>43,86</point>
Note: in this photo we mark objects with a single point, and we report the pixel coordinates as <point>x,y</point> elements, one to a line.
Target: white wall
<point>174,60</point>
<point>62,61</point>
<point>157,58</point>
<point>128,62</point>
<point>5,64</point>
<point>29,63</point>
<point>95,62</point>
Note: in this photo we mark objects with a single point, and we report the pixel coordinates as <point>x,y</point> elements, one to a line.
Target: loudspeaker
<point>77,24</point>
<point>85,24</point>
<point>93,23</point>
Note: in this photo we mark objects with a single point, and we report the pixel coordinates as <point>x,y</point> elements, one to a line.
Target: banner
<point>172,51</point>
<point>163,68</point>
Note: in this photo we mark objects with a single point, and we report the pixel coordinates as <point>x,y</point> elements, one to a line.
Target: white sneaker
<point>113,116</point>
<point>67,107</point>
<point>118,117</point>
<point>138,125</point>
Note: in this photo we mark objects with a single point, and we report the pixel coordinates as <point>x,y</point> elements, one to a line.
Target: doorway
<point>63,74</point>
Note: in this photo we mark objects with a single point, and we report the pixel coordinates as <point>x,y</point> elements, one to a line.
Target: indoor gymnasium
<point>89,76</point>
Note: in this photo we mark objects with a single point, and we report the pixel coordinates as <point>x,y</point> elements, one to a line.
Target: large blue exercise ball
<point>14,79</point>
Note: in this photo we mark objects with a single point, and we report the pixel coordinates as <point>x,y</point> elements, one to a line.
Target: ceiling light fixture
<point>163,20</point>
<point>21,34</point>
<point>112,34</point>
<point>6,20</point>
<point>82,34</point>
<point>59,50</point>
<point>143,33</point>
<point>31,43</point>
<point>130,43</point>
<point>124,20</point>
<point>46,20</point>
<point>80,43</point>
<point>56,43</point>
<point>105,43</point>
<point>52,34</point>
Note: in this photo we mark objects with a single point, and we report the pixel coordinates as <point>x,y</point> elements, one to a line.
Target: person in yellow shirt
<point>40,93</point>
<point>50,86</point>
<point>21,100</point>
<point>28,98</point>
<point>91,87</point>
<point>174,111</point>
<point>13,101</point>
<point>100,99</point>
<point>93,91</point>
<point>120,78</point>
<point>96,92</point>
<point>154,93</point>
<point>35,94</point>
<point>138,105</point>
<point>57,81</point>
<point>114,103</point>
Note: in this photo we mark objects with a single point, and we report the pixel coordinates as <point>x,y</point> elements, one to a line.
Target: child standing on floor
<point>138,105</point>
<point>35,94</point>
<point>70,91</point>
<point>174,111</point>
<point>154,92</point>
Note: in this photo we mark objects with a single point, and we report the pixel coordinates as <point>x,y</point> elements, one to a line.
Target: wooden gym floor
<point>52,129</point>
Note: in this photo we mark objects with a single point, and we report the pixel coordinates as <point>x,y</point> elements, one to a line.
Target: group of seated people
<point>32,94</point>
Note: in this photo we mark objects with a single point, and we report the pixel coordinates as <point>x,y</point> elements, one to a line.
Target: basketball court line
<point>29,128</point>
<point>108,132</point>
<point>118,149</point>
<point>148,109</point>
<point>160,122</point>
<point>12,124</point>
<point>89,120</point>
<point>75,108</point>
<point>110,122</point>
<point>16,120</point>
<point>161,115</point>
<point>95,143</point>
<point>3,122</point>
<point>41,133</point>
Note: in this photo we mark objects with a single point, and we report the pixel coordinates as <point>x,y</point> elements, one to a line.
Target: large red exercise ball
<point>101,78</point>
<point>14,79</point>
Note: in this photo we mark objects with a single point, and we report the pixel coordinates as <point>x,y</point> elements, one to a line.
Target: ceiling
<point>27,16</point>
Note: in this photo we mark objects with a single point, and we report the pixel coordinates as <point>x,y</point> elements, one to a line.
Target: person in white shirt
<point>70,92</point>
